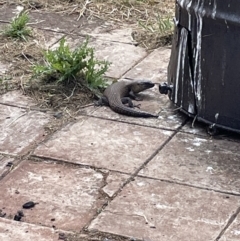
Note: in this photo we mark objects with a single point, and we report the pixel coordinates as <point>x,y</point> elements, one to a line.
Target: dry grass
<point>150,18</point>
<point>18,56</point>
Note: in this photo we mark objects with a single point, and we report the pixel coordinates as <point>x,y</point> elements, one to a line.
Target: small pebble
<point>58,115</point>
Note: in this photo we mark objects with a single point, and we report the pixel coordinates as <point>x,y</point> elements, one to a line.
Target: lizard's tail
<point>124,110</point>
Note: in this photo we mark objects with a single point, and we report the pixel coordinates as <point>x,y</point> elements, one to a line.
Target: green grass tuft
<point>18,27</point>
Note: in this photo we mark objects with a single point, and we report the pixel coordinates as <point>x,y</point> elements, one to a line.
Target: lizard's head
<point>141,85</point>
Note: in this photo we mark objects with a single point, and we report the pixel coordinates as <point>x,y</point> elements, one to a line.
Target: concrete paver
<point>110,31</point>
<point>20,129</point>
<point>166,211</point>
<point>153,67</point>
<point>104,144</point>
<point>121,56</point>
<point>16,231</point>
<point>16,98</point>
<point>52,21</point>
<point>198,161</point>
<point>87,25</point>
<point>68,197</point>
<point>8,12</point>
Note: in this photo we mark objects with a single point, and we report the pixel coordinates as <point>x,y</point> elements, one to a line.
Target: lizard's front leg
<point>134,96</point>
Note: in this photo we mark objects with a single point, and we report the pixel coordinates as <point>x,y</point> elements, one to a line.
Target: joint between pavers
<point>131,123</point>
<point>60,162</point>
<point>15,164</point>
<point>68,163</point>
<point>230,221</point>
<point>137,62</point>
<point>189,185</point>
<point>3,21</point>
<point>25,107</point>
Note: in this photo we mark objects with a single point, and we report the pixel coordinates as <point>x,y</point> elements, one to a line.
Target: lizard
<point>118,94</point>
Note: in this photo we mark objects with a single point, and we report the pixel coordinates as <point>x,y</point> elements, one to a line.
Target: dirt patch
<point>19,57</point>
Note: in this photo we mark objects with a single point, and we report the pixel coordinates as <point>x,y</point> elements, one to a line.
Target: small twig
<point>70,114</point>
<point>142,215</point>
<point>16,118</point>
<point>68,97</point>
<point>84,106</point>
<point>139,11</point>
<point>132,215</point>
<point>73,10</point>
<point>27,58</point>
<point>11,168</point>
<point>129,13</point>
<point>114,10</point>
<point>146,12</point>
<point>40,21</point>
<point>22,84</point>
<point>83,9</point>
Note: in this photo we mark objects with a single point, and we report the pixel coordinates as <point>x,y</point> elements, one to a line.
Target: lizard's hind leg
<point>103,101</point>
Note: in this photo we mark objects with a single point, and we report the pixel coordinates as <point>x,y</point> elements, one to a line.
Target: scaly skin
<point>118,93</point>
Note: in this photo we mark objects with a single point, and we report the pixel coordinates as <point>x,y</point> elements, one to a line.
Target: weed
<point>78,67</point>
<point>18,27</point>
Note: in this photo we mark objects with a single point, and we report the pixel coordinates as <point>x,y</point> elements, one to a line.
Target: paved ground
<point>108,177</point>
